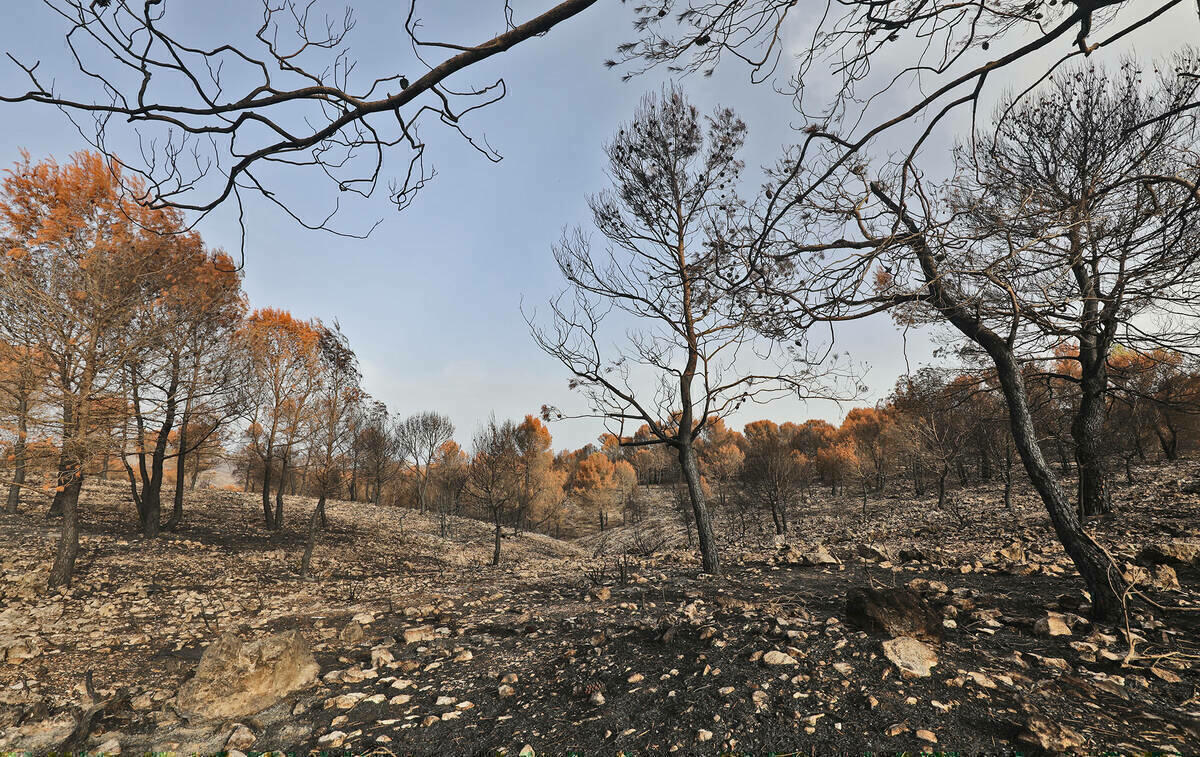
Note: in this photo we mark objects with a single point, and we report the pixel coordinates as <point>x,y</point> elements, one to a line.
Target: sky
<point>431,300</point>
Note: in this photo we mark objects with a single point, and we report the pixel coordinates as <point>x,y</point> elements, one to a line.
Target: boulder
<point>893,611</point>
<point>1170,553</point>
<point>236,678</point>
<point>912,657</point>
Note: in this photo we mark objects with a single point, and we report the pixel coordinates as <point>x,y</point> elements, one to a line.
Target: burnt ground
<point>664,660</point>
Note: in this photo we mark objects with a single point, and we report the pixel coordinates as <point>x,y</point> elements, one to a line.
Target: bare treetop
<point>211,120</point>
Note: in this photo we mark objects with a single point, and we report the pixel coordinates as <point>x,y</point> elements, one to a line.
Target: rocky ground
<point>408,643</point>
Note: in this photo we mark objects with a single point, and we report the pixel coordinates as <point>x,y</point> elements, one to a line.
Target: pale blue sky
<point>431,300</point>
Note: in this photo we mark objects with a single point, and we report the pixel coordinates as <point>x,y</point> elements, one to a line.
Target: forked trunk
<point>1102,577</point>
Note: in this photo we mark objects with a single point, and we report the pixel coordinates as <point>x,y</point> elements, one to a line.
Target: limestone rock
<point>895,612</point>
<point>1049,735</point>
<point>1054,624</point>
<point>242,738</point>
<point>775,657</point>
<point>418,634</point>
<point>236,678</point>
<point>352,633</point>
<point>911,656</point>
<point>1170,553</point>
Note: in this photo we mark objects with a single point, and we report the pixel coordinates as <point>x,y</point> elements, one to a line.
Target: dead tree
<point>419,437</point>
<point>215,123</point>
<point>672,268</point>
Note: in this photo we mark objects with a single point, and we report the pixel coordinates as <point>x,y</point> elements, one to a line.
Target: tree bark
<point>704,527</point>
<point>314,519</point>
<point>277,521</point>
<point>68,539</point>
<point>942,487</point>
<point>268,516</point>
<point>180,470</point>
<point>1101,575</point>
<point>496,550</point>
<point>780,526</point>
<point>18,480</point>
<point>1008,477</point>
<point>1087,429</point>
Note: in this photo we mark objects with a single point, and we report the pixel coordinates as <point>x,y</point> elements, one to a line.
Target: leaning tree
<point>1073,220</point>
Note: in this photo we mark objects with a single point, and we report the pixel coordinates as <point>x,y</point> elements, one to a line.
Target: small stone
<point>912,657</point>
<point>896,729</point>
<point>703,735</point>
<point>926,735</point>
<point>332,740</point>
<point>352,633</point>
<point>1165,578</point>
<point>527,751</point>
<point>597,698</point>
<point>142,702</point>
<point>430,720</point>
<point>1049,735</point>
<point>635,678</point>
<point>464,656</point>
<point>111,746</point>
<point>506,691</point>
<point>600,593</point>
<point>444,701</point>
<point>775,657</point>
<point>381,656</point>
<point>418,634</point>
<point>400,699</point>
<point>345,701</point>
<point>241,738</point>
<point>1054,624</point>
<point>843,667</point>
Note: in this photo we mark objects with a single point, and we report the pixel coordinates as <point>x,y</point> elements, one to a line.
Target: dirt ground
<point>560,650</point>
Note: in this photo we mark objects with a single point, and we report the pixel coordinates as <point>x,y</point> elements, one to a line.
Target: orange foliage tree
<point>284,357</point>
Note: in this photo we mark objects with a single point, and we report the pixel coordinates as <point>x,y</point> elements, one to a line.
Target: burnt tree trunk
<point>316,518</point>
<point>704,527</point>
<point>18,479</point>
<point>1086,430</point>
<point>68,539</point>
<point>266,488</point>
<point>1101,575</point>
<point>277,521</point>
<point>496,550</point>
